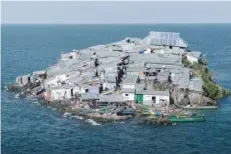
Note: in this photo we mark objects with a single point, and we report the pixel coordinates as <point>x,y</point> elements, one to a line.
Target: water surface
<point>30,128</point>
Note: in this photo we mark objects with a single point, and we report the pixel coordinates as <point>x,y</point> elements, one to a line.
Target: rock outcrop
<point>181,97</point>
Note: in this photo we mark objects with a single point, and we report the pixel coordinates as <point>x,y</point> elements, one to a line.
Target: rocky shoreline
<point>68,108</point>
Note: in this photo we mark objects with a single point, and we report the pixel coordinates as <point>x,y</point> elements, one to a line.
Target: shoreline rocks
<point>155,120</point>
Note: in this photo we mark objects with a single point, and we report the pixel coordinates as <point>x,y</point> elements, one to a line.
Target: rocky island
<point>155,78</point>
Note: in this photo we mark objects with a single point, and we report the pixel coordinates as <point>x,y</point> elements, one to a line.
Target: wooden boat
<point>200,107</point>
<point>185,118</point>
<point>126,112</point>
<point>185,114</point>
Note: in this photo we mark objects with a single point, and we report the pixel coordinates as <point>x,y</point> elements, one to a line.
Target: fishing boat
<point>186,114</point>
<point>200,107</point>
<point>187,118</point>
<point>126,112</point>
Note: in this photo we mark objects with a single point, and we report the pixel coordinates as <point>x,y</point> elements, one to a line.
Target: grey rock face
<point>185,97</point>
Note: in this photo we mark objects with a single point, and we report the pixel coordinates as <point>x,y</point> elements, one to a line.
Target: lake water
<point>28,127</point>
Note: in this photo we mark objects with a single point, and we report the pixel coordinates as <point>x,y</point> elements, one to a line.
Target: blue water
<point>30,128</point>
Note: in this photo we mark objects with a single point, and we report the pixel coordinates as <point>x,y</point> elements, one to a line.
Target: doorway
<point>28,79</point>
<point>154,99</point>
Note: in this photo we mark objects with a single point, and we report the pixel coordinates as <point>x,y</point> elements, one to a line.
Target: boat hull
<point>187,119</point>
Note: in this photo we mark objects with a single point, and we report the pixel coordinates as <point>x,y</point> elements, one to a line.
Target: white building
<point>23,80</point>
<point>63,92</point>
<point>58,93</point>
<point>128,87</point>
<point>150,97</point>
<point>128,94</point>
<point>56,81</point>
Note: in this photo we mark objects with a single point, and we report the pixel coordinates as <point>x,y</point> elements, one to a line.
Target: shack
<point>56,81</point>
<point>195,84</point>
<point>115,100</point>
<point>130,81</point>
<point>23,80</point>
<point>59,93</point>
<point>128,94</point>
<point>147,96</point>
<point>89,97</point>
<point>39,75</point>
<point>184,79</point>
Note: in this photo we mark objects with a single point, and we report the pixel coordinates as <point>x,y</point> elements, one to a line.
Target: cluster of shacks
<point>124,71</point>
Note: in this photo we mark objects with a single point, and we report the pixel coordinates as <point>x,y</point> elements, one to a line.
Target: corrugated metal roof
<point>62,87</point>
<point>156,58</point>
<point>184,79</point>
<point>130,79</point>
<point>165,38</point>
<point>162,77</point>
<point>40,72</point>
<point>149,91</point>
<point>127,90</point>
<point>105,54</point>
<point>137,64</point>
<point>111,98</point>
<point>111,77</point>
<point>89,96</point>
<point>196,84</point>
<point>135,69</point>
<point>166,66</point>
<point>97,47</point>
<point>175,77</point>
<point>115,60</point>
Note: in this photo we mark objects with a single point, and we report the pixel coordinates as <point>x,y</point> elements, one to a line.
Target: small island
<point>157,79</point>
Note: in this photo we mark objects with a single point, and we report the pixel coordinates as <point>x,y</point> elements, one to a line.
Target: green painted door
<point>139,98</point>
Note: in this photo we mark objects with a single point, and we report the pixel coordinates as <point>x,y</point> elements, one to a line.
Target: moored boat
<point>200,107</point>
<point>186,118</point>
<point>126,112</point>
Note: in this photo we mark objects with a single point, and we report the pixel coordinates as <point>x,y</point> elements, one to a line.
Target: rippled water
<point>28,127</point>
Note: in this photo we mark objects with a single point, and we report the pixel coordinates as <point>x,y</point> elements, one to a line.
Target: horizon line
<point>112,23</point>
